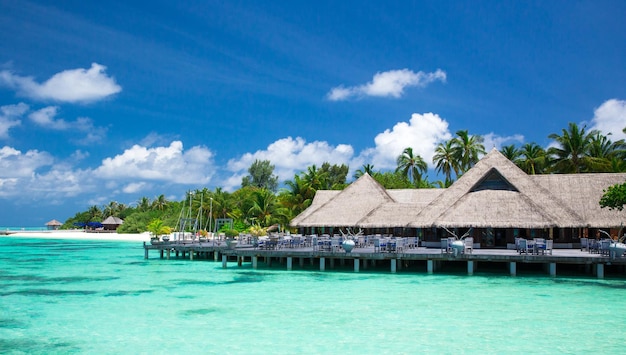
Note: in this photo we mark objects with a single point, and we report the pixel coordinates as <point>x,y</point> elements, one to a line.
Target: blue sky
<point>115,100</point>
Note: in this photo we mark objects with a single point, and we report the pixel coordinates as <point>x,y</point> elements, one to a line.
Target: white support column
<point>255,262</point>
<point>553,269</point>
<point>470,267</point>
<point>513,268</point>
<point>394,265</point>
<point>600,270</point>
<point>356,265</point>
<point>224,261</point>
<point>289,263</point>
<point>322,264</point>
<point>430,266</point>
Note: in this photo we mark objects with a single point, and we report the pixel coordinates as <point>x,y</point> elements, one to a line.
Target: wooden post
<point>216,255</point>
<point>289,263</point>
<point>224,261</point>
<point>332,263</point>
<point>322,264</point>
<point>145,252</point>
<point>239,260</point>
<point>600,270</point>
<point>301,262</point>
<point>168,253</point>
<point>513,268</point>
<point>394,265</point>
<point>191,255</point>
<point>470,267</point>
<point>429,266</point>
<point>255,262</point>
<point>161,252</point>
<point>356,265</point>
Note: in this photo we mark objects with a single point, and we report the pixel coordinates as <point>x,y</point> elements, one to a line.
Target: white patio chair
<point>445,248</point>
<point>549,245</point>
<point>469,245</point>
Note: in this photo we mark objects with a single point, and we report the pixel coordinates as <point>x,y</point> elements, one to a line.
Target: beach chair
<point>526,247</point>
<point>469,245</point>
<point>584,244</point>
<point>376,245</point>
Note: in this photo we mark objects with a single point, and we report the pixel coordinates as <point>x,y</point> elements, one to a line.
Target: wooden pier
<point>428,259</point>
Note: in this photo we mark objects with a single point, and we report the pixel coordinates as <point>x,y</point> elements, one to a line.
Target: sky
<point>116,100</point>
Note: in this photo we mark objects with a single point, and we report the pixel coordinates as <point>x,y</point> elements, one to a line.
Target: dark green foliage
<point>614,197</point>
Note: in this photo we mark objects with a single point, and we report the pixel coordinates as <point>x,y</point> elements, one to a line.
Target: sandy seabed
<point>80,235</point>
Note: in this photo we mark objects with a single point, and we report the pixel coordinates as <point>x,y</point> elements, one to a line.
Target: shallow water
<point>68,296</point>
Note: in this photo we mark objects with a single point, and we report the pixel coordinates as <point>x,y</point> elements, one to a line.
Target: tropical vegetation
<point>259,203</point>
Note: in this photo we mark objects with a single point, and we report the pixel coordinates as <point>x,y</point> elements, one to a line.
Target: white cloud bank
<point>610,117</point>
<point>73,85</point>
<point>46,118</point>
<point>387,84</point>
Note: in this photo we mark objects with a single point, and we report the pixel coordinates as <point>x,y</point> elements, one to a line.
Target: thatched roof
<point>347,207</point>
<point>112,221</point>
<point>493,193</point>
<point>54,223</point>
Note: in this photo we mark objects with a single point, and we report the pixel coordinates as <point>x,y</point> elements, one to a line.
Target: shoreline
<point>78,235</point>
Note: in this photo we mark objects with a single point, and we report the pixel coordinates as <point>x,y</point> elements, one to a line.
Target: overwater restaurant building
<point>495,200</point>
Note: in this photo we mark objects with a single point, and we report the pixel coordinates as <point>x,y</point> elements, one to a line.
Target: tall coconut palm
<point>160,203</point>
<point>143,204</point>
<point>315,178</point>
<point>467,149</point>
<point>445,162</point>
<point>532,158</point>
<point>412,166</point>
<point>571,155</point>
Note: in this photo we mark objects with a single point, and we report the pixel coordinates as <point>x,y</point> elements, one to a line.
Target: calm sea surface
<point>65,296</point>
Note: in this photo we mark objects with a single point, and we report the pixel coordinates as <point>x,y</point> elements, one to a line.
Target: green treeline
<point>259,203</point>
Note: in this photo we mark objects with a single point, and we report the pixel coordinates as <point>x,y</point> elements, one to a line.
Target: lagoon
<point>77,296</point>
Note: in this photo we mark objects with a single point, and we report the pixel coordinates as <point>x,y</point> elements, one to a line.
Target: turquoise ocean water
<point>68,296</point>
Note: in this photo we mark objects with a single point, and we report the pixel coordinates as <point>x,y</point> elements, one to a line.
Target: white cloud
<point>289,156</point>
<point>10,117</point>
<point>422,133</point>
<point>610,117</point>
<point>73,85</point>
<point>14,163</point>
<point>46,118</point>
<point>134,187</point>
<point>492,140</point>
<point>387,84</point>
<point>169,164</point>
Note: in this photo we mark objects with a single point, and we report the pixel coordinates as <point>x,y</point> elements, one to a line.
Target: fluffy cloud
<point>169,164</point>
<point>422,133</point>
<point>387,84</point>
<point>73,85</point>
<point>610,117</point>
<point>289,155</point>
<point>18,170</point>
<point>46,117</point>
<point>10,117</point>
<point>492,140</point>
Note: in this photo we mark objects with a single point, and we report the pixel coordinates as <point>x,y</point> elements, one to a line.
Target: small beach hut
<point>111,223</point>
<point>54,224</point>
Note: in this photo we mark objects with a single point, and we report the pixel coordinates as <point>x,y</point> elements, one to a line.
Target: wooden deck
<point>362,258</point>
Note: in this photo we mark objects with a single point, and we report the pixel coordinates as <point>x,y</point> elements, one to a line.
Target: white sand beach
<point>79,234</point>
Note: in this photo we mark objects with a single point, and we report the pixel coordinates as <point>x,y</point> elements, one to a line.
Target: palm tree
<point>263,207</point>
<point>532,158</point>
<point>95,214</point>
<point>367,168</point>
<point>445,161</point>
<point>111,209</point>
<point>316,178</point>
<point>160,202</point>
<point>143,204</point>
<point>412,166</point>
<point>467,149</point>
<point>511,152</point>
<point>572,153</point>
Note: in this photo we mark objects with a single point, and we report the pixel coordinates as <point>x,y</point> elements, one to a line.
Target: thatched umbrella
<point>54,224</point>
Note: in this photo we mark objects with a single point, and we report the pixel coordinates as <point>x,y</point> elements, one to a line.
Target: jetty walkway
<point>363,257</point>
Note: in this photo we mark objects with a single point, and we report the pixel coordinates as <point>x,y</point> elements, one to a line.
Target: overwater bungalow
<point>495,201</point>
